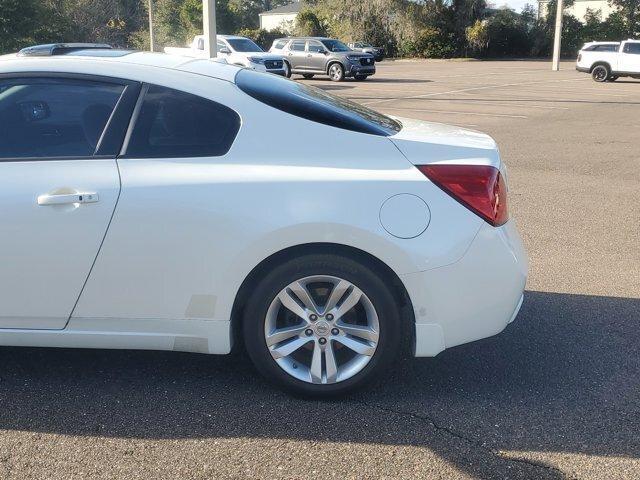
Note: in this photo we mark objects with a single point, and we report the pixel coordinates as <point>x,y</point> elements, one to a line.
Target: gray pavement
<point>556,395</point>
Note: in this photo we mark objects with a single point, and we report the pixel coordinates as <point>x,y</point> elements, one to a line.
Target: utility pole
<point>151,36</point>
<point>557,41</point>
<point>209,24</point>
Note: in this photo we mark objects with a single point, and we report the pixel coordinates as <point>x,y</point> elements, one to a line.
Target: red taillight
<point>480,188</point>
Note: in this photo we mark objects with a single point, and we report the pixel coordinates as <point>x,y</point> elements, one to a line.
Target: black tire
<point>360,78</point>
<point>601,73</point>
<point>336,72</point>
<point>308,76</point>
<point>287,70</point>
<point>362,276</point>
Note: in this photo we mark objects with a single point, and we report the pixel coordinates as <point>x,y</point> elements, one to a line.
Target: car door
<point>316,56</point>
<point>59,184</point>
<point>630,58</point>
<point>297,54</point>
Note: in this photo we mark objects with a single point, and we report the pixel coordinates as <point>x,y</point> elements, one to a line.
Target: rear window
<point>314,104</point>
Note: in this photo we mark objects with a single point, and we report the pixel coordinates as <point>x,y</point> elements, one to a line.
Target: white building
<point>281,18</point>
<point>579,8</point>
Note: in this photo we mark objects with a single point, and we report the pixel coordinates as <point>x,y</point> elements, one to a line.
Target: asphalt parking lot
<point>556,395</point>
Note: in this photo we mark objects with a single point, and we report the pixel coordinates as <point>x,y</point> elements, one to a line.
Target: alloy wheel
<point>600,74</point>
<point>335,72</point>
<point>321,329</point>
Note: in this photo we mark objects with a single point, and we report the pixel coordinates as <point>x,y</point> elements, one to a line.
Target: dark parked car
<point>311,56</point>
<point>377,52</point>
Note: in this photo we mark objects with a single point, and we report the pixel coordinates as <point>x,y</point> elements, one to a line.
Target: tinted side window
<point>314,104</point>
<point>605,48</point>
<point>280,44</point>
<point>178,124</point>
<point>297,46</point>
<point>315,47</point>
<point>632,48</point>
<point>43,118</point>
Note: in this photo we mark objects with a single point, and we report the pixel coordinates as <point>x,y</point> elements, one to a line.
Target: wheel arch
<point>331,62</point>
<point>600,63</point>
<point>399,290</point>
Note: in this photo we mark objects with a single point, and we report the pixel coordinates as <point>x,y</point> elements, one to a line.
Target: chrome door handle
<point>66,198</point>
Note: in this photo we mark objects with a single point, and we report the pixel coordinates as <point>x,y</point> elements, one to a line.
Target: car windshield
<point>243,45</point>
<point>315,104</point>
<point>335,46</point>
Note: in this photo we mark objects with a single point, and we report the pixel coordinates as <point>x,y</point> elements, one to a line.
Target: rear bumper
<point>582,69</point>
<point>473,298</point>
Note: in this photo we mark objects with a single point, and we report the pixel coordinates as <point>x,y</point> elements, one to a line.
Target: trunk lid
<point>426,142</point>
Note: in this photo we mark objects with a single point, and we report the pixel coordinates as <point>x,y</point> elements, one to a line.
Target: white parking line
<point>427,76</point>
<point>471,89</point>
<point>488,102</point>
<point>578,92</point>
<point>453,112</point>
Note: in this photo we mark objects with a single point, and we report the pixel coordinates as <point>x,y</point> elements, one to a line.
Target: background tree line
<point>423,28</point>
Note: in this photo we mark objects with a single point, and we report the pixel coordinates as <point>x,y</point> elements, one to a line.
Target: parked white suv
<point>240,51</point>
<point>607,61</point>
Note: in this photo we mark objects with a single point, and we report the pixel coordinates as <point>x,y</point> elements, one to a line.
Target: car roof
<point>309,38</point>
<point>125,64</point>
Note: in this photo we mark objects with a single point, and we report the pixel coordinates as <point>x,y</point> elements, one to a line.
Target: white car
<point>607,61</point>
<point>240,51</point>
<point>148,202</point>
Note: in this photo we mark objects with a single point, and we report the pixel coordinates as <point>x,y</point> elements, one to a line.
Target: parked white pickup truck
<point>237,51</point>
<point>607,61</point>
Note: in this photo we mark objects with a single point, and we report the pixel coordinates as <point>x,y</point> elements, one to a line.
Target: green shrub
<point>262,37</point>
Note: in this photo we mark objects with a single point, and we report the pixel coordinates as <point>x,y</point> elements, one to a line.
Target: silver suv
<point>309,56</point>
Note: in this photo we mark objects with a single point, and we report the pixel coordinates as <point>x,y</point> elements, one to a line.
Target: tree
<point>508,34</point>
<point>247,12</point>
<point>614,27</point>
<point>478,36</point>
<point>630,12</point>
<point>18,20</point>
<point>308,24</point>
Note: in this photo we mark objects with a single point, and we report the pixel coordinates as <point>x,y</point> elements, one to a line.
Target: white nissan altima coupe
<point>150,202</point>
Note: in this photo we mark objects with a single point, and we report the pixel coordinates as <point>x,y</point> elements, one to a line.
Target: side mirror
<point>225,50</point>
<point>324,52</point>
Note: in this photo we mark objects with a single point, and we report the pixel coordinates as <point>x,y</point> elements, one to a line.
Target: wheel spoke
<point>336,294</point>
<point>303,294</point>
<point>316,365</point>
<point>290,347</point>
<point>356,345</point>
<point>330,364</point>
<point>282,334</point>
<point>359,331</point>
<point>350,300</point>
<point>291,304</point>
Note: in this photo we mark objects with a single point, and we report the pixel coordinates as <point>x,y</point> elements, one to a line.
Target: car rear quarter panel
<point>188,231</point>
